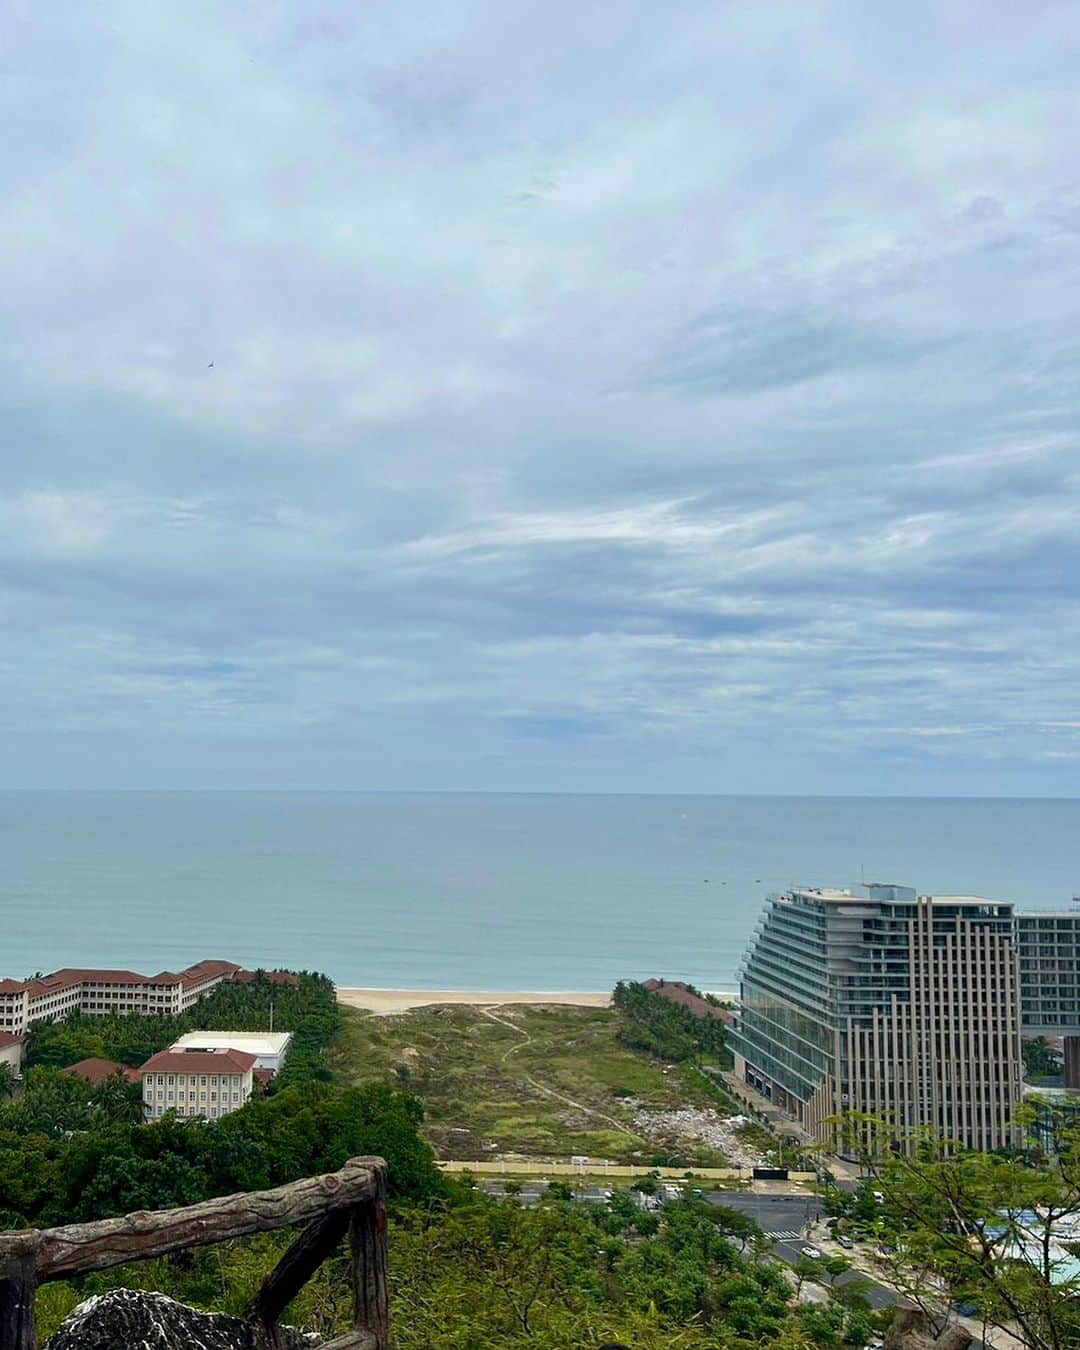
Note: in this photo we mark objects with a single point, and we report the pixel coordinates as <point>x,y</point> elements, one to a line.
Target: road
<point>780,1215</point>
<point>877,1295</point>
<point>783,1218</point>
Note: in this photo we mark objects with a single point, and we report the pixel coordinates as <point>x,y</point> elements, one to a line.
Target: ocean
<point>475,891</point>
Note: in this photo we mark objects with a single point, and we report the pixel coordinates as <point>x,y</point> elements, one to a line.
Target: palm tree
<point>7,1082</point>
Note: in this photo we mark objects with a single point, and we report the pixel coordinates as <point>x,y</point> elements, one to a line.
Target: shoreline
<point>388,1002</point>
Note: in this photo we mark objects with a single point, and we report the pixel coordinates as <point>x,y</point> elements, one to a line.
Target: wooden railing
<point>351,1202</point>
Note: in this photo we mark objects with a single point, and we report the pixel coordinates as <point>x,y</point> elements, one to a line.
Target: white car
<point>811,1253</point>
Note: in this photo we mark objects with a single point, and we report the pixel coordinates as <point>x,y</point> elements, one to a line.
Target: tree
<point>736,1226</point>
<point>983,1228</point>
<point>666,1029</point>
<point>1039,1060</point>
<point>118,1101</point>
<point>7,1082</point>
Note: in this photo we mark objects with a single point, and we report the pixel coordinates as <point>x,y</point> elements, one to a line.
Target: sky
<point>576,397</point>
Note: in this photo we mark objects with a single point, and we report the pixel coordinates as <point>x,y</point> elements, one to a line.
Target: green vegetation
<point>110,1166</point>
<point>666,1029</point>
<point>984,1230</point>
<point>1040,1062</point>
<point>542,1081</point>
<point>474,1274</point>
<point>70,1150</point>
<point>310,1012</point>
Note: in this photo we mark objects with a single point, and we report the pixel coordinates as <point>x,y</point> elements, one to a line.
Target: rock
<point>134,1319</point>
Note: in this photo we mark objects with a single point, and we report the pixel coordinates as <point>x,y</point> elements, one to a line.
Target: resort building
<point>196,1083</point>
<point>1049,948</point>
<point>910,1008</point>
<point>49,998</point>
<point>268,1047</point>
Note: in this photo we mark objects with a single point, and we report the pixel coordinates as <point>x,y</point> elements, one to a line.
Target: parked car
<point>845,1241</point>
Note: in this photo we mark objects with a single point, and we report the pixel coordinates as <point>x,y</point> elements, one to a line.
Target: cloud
<point>751,353</point>
<point>591,401</point>
<point>55,522</point>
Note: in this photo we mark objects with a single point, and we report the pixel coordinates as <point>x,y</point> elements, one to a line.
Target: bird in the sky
<point>210,366</point>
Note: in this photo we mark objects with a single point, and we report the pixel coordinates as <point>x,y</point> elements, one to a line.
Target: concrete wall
<point>12,1055</point>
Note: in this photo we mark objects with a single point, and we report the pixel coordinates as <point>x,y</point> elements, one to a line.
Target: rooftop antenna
<point>862,874</point>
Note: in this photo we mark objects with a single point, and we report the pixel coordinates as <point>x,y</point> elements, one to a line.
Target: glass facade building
<point>904,1007</point>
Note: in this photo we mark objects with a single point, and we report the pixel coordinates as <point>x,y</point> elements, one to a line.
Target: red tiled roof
<point>677,992</point>
<point>199,1061</point>
<point>9,1038</point>
<point>78,975</point>
<point>274,976</point>
<point>12,986</point>
<point>202,971</point>
<point>97,1070</point>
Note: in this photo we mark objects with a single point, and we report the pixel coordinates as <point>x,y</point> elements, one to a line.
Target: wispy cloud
<point>690,404</point>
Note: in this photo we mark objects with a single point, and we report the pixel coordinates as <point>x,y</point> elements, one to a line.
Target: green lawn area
<point>481,1081</point>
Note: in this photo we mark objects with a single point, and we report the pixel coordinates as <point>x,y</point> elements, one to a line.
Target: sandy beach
<point>386,1002</point>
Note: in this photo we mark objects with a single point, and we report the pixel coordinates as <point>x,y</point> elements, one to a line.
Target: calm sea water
<point>477,891</point>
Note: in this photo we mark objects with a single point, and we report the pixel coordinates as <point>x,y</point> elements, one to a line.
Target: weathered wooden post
<point>351,1201</point>
<point>18,1280</point>
<point>367,1242</point>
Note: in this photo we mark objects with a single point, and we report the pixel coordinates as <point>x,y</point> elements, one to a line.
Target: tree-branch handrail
<point>29,1257</point>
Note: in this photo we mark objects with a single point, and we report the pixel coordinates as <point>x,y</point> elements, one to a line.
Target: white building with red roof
<point>206,1084</point>
<point>49,998</point>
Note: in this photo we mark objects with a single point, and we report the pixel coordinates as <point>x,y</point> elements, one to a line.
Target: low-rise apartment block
<point>49,998</point>
<point>197,1083</point>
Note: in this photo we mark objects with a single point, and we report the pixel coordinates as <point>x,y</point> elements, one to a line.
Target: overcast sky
<point>577,396</point>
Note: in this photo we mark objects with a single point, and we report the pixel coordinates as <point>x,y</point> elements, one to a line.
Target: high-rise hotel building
<point>901,1006</point>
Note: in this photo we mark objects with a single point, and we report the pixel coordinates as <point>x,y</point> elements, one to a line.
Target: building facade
<point>1049,948</point>
<point>205,1084</point>
<point>11,1052</point>
<point>879,1001</point>
<point>50,998</point>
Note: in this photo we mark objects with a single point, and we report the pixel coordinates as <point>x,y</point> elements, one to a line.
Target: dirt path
<point>546,1091</point>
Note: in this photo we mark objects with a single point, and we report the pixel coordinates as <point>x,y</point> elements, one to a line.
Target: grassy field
<point>531,1081</point>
